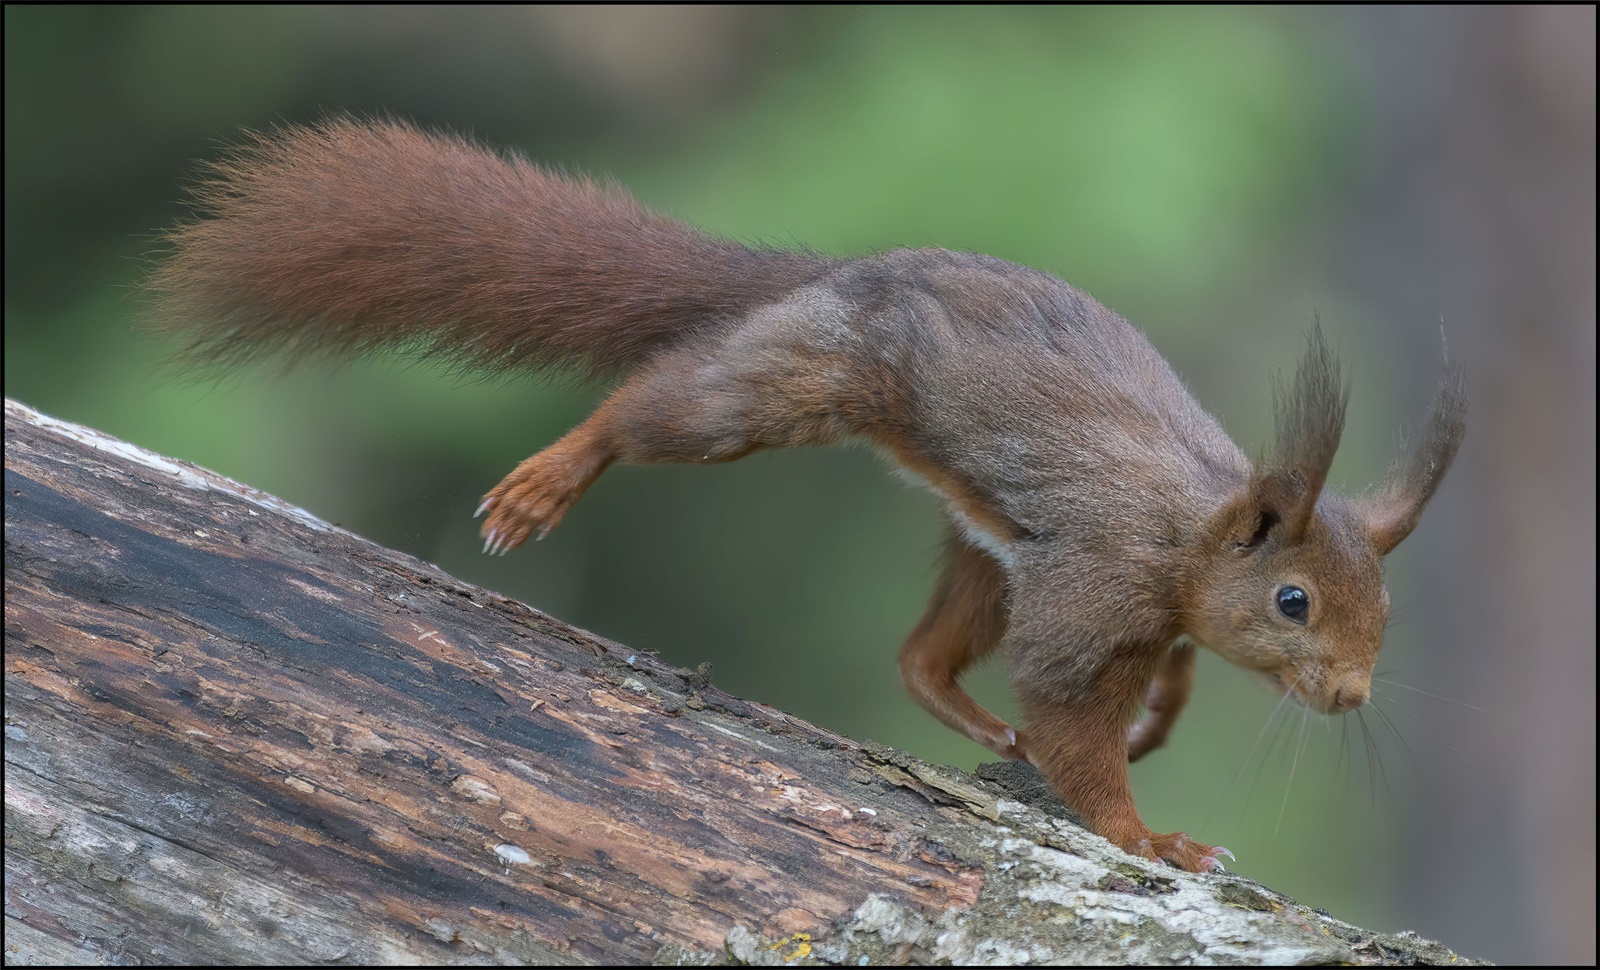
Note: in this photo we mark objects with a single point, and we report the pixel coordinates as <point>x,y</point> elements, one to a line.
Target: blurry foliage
<point>1160,159</point>
<point>1065,138</point>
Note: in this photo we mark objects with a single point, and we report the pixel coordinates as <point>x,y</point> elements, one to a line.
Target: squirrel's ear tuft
<point>1310,419</point>
<point>1394,510</point>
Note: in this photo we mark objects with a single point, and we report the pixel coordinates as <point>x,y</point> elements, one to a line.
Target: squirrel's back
<point>349,236</point>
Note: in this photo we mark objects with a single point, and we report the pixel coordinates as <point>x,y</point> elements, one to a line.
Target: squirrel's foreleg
<point>1168,693</point>
<point>1078,739</point>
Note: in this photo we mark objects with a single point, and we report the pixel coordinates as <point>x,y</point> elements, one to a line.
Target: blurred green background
<point>1217,175</point>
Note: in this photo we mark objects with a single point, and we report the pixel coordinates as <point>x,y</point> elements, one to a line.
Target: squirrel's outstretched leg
<point>688,406</point>
<point>965,621</point>
<point>536,495</point>
<point>1169,691</point>
<point>1078,740</point>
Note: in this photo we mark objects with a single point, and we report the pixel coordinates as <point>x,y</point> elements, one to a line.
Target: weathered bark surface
<point>237,734</point>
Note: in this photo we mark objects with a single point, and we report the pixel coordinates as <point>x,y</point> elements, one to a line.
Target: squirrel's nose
<point>1351,692</point>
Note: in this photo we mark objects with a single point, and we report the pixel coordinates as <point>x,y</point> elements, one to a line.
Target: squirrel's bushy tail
<point>350,236</point>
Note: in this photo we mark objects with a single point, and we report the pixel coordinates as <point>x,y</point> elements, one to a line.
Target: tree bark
<point>236,734</point>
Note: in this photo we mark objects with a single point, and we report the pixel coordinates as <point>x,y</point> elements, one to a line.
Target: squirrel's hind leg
<point>691,405</point>
<point>965,622</point>
<point>536,495</point>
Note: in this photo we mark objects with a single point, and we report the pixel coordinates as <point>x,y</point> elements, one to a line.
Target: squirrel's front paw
<point>1179,850</point>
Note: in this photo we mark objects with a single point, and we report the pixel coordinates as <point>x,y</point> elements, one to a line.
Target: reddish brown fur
<point>1082,749</point>
<point>1164,701</point>
<point>348,236</point>
<point>1394,512</point>
<point>1310,421</point>
<point>965,622</point>
<point>1104,520</point>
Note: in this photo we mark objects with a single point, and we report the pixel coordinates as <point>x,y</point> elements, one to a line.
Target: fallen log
<point>237,734</point>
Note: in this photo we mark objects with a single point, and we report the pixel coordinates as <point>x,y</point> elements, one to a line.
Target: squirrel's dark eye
<point>1294,603</point>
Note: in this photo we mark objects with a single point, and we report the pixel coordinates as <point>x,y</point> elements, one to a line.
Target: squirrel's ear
<point>1272,499</point>
<point>1393,512</point>
<point>1310,419</point>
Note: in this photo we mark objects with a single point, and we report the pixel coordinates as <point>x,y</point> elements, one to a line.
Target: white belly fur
<point>976,536</point>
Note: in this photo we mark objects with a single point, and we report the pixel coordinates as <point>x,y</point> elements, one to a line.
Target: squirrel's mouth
<point>1281,682</point>
<point>1296,685</point>
<point>1307,691</point>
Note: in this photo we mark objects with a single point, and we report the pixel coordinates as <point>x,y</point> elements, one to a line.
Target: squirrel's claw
<point>1179,850</point>
<point>1213,859</point>
<point>497,542</point>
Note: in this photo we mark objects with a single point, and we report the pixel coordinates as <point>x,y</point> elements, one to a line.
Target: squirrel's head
<point>1290,581</point>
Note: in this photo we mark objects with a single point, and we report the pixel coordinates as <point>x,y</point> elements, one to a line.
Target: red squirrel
<point>1102,521</point>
